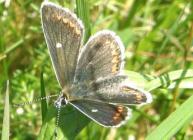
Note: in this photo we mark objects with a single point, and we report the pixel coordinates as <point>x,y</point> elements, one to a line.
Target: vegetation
<point>158,38</point>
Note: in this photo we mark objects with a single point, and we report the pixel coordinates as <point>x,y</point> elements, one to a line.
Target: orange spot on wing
<point>65,21</point>
<point>119,115</point>
<point>115,59</point>
<point>58,16</point>
<point>139,97</point>
<point>120,109</point>
<point>77,31</point>
<point>125,89</point>
<point>72,25</point>
<point>114,69</point>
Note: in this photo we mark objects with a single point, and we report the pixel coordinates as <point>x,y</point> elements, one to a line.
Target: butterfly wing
<point>63,33</point>
<point>98,74</point>
<point>106,100</point>
<point>105,114</point>
<point>102,56</point>
<point>118,90</point>
<point>115,90</point>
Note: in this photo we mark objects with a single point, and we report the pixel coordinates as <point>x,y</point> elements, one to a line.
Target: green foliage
<point>158,40</point>
<point>6,122</point>
<point>168,128</point>
<point>43,94</point>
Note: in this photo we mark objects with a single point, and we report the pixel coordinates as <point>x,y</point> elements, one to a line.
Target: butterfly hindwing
<point>114,90</point>
<point>117,90</point>
<point>63,33</point>
<point>108,115</point>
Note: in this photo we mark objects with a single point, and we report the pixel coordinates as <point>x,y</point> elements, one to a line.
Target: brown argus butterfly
<point>91,76</point>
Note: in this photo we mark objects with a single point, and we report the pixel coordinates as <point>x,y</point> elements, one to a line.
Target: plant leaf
<point>83,14</point>
<point>174,122</point>
<point>5,129</point>
<point>43,94</point>
<point>168,79</point>
<point>71,122</point>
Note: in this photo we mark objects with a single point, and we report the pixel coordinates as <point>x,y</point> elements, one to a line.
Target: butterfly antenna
<point>35,100</point>
<point>57,122</point>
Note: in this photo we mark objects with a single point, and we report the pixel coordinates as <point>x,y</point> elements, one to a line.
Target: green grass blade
<point>174,122</point>
<point>83,14</point>
<point>10,49</point>
<point>171,31</point>
<point>131,13</point>
<point>14,46</point>
<point>5,129</point>
<point>43,94</point>
<point>168,78</point>
<point>184,83</point>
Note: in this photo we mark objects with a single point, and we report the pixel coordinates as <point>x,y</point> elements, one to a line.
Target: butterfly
<point>90,76</point>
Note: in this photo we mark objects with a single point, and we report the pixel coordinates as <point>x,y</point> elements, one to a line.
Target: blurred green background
<point>157,35</point>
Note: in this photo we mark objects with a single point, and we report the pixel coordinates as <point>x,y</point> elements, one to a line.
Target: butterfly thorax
<point>62,99</point>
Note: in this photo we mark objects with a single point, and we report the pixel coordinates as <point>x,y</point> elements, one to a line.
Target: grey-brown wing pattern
<point>63,33</point>
<point>114,90</point>
<point>102,56</point>
<point>108,115</point>
<point>98,75</point>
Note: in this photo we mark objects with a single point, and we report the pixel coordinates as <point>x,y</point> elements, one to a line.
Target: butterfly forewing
<point>63,33</point>
<point>98,75</point>
<point>102,56</point>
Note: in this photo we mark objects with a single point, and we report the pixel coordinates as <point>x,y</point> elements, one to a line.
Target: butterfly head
<point>62,100</point>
